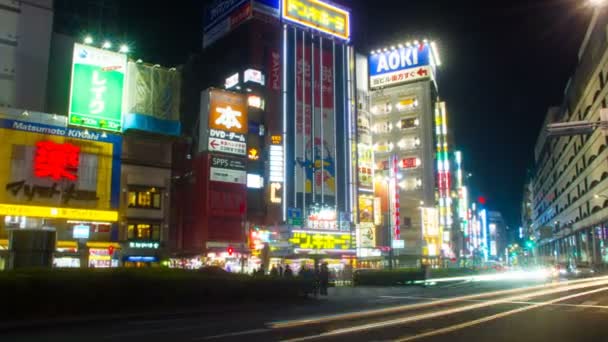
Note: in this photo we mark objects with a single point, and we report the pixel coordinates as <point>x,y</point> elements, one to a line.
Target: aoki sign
<point>399,65</point>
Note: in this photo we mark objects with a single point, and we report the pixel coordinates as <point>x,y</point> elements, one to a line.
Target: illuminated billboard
<point>58,172</point>
<point>399,65</point>
<point>430,222</point>
<point>305,240</point>
<point>96,91</point>
<point>224,122</point>
<point>318,15</point>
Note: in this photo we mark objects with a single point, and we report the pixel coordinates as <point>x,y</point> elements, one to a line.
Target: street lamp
<point>124,48</point>
<point>88,40</point>
<point>106,44</point>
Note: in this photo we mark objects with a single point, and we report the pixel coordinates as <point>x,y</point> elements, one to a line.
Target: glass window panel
<point>156,232</point>
<point>143,231</point>
<point>131,231</point>
<point>132,199</point>
<point>144,199</point>
<point>156,201</point>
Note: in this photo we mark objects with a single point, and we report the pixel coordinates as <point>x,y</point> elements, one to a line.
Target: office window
<point>149,198</point>
<point>143,231</point>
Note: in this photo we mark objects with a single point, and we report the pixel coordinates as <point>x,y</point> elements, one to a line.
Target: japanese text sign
<point>96,93</point>
<point>227,111</point>
<point>318,15</point>
<point>57,161</point>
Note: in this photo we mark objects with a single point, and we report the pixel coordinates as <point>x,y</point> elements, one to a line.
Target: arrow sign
<point>422,72</point>
<point>213,143</point>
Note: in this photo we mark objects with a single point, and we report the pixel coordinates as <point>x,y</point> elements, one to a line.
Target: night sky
<point>504,64</point>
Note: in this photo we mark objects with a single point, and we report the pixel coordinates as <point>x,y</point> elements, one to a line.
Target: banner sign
<point>227,169</point>
<point>318,15</point>
<point>96,92</point>
<point>395,66</point>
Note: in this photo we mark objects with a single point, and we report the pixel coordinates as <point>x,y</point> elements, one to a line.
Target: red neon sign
<point>57,161</point>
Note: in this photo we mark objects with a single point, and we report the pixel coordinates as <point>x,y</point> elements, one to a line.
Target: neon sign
<point>315,240</point>
<point>275,193</point>
<point>56,161</point>
<point>318,15</point>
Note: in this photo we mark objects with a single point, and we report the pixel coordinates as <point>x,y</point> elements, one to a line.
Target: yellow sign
<point>366,208</point>
<point>318,15</point>
<point>65,213</point>
<point>311,240</point>
<point>253,154</point>
<point>275,193</point>
<point>276,139</point>
<point>18,144</point>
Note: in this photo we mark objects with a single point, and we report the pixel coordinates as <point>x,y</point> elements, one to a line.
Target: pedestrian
<point>324,279</point>
<point>287,273</point>
<point>280,271</point>
<point>274,272</point>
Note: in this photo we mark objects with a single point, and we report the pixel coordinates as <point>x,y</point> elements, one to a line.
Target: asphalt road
<point>465,311</point>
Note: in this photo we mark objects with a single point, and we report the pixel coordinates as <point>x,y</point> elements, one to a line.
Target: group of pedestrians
<point>281,272</point>
<point>317,279</point>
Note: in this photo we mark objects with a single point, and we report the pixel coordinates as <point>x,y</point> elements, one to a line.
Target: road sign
<point>227,146</point>
<point>294,217</point>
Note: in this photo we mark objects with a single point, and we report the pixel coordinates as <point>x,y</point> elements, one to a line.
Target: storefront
<point>61,179</point>
<point>141,253</point>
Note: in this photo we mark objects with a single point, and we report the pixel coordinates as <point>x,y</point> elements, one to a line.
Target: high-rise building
<point>296,72</point>
<point>408,127</point>
<point>569,187</point>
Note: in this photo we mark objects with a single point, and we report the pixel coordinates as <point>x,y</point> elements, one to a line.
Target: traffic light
<point>530,244</point>
<point>230,250</point>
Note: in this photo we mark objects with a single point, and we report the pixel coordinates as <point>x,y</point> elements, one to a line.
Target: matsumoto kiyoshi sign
<point>96,92</point>
<point>400,65</point>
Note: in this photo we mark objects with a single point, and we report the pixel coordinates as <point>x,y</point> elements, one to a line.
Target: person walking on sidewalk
<point>324,279</point>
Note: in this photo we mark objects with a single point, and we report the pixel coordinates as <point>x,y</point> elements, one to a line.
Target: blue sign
<point>220,10</point>
<point>140,258</point>
<point>407,57</point>
<point>152,124</point>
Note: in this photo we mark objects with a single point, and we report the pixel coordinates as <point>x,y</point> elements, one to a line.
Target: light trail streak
<point>409,307</point>
<point>435,314</point>
<point>496,316</point>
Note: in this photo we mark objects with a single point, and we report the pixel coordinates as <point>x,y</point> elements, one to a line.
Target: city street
<point>480,311</point>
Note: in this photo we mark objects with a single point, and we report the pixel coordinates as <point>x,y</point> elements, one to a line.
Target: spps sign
<point>399,65</point>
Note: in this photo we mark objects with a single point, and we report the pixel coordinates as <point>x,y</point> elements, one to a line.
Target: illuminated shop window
<point>145,198</point>
<point>407,103</point>
<point>143,231</point>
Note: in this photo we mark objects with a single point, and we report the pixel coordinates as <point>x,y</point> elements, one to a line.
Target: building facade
<point>569,206</point>
<point>408,127</point>
<point>292,70</point>
<point>25,40</point>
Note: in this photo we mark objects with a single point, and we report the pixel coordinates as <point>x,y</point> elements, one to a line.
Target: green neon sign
<point>98,78</point>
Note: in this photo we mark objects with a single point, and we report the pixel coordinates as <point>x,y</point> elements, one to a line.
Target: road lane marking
<point>496,316</point>
<point>233,334</point>
<point>409,307</point>
<point>435,314</point>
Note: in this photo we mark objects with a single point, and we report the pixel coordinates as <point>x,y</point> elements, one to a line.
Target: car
<point>581,271</point>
